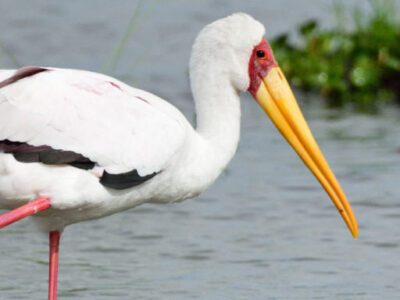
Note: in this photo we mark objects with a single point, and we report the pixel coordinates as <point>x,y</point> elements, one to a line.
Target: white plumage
<point>119,127</point>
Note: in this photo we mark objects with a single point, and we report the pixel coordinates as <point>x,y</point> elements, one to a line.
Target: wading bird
<point>77,145</point>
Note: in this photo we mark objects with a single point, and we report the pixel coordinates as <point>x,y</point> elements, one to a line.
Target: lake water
<point>265,229</point>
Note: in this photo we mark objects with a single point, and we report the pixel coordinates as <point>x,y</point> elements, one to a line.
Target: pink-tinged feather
<point>97,87</point>
<point>140,98</point>
<point>87,88</point>
<point>115,85</point>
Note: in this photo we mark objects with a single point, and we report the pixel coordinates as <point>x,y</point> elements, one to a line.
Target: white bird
<point>82,145</point>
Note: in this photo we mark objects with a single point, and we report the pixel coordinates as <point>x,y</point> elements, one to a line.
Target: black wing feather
<point>26,153</point>
<point>124,180</point>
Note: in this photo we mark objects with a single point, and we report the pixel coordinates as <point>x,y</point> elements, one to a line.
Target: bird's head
<point>238,41</point>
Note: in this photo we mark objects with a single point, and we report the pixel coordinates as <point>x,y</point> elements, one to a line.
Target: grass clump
<point>361,66</point>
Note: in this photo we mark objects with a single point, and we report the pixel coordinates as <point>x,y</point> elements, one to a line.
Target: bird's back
<point>120,129</point>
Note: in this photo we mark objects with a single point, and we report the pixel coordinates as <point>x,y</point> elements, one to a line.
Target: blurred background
<point>265,229</point>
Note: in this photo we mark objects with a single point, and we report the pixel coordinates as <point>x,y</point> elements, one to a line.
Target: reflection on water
<point>265,230</point>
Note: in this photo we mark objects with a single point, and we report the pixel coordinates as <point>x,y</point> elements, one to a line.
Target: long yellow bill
<point>277,100</point>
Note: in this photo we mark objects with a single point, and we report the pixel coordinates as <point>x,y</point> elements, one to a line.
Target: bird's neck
<point>217,112</point>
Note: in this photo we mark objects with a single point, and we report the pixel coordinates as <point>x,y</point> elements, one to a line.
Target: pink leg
<point>24,211</point>
<point>27,210</point>
<point>53,267</point>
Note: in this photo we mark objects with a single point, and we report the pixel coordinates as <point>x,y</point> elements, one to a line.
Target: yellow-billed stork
<point>82,145</point>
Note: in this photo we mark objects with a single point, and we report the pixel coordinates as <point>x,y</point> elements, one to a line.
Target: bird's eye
<point>260,53</point>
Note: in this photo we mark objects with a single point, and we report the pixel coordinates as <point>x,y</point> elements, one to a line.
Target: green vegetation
<point>361,66</point>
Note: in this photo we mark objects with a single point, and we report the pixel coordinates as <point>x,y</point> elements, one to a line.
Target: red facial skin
<point>260,66</point>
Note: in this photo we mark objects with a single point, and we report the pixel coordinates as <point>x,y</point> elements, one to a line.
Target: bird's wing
<point>114,125</point>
